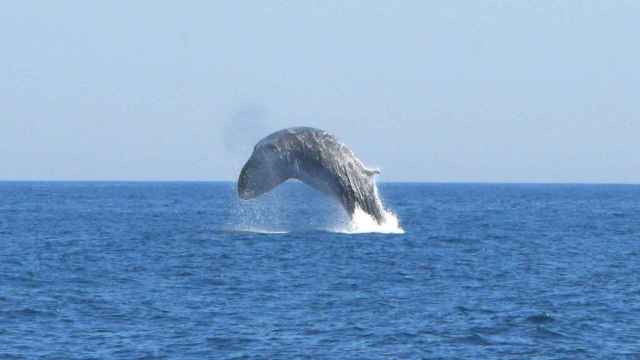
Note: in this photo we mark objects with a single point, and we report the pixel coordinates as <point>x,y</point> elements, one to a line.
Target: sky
<point>436,91</point>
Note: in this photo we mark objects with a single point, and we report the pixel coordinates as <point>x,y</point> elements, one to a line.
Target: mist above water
<point>295,207</point>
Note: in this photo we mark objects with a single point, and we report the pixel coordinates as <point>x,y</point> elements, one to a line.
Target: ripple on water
<point>474,339</point>
<point>229,343</point>
<point>543,332</point>
<point>26,313</point>
<point>540,318</point>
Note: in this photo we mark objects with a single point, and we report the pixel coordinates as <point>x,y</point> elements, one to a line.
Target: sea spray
<point>363,223</point>
<point>292,207</point>
<point>279,212</point>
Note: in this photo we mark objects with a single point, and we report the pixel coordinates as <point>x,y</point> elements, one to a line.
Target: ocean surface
<point>117,270</point>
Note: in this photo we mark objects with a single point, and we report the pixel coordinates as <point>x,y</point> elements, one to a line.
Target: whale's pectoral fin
<point>371,172</point>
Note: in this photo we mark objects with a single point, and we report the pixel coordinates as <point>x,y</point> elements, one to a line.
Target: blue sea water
<point>111,270</point>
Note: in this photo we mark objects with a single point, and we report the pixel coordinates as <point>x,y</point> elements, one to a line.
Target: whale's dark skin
<point>316,158</point>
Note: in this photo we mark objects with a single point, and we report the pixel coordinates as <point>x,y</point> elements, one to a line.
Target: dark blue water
<point>168,270</point>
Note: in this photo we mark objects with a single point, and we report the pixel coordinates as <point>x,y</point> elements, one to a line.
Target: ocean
<point>185,270</point>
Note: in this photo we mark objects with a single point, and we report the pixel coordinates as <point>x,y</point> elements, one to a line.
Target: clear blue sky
<point>427,91</point>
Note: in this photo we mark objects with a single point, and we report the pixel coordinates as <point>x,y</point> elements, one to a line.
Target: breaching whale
<point>317,159</point>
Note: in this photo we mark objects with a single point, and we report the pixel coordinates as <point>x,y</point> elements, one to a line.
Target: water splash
<point>363,223</point>
<point>264,216</point>
<point>295,207</point>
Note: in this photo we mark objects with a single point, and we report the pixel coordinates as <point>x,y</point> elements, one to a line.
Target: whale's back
<point>318,159</point>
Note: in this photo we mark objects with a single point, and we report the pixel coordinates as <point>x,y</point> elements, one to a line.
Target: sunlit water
<point>187,271</point>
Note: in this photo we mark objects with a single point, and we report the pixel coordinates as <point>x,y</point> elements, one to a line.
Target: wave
<point>256,230</point>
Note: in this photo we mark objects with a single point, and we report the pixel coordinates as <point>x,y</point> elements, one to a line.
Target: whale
<point>317,159</point>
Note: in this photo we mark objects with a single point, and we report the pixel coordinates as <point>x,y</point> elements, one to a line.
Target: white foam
<point>362,223</point>
<point>260,231</point>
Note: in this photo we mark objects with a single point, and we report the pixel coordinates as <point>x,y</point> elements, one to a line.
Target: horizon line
<point>453,182</point>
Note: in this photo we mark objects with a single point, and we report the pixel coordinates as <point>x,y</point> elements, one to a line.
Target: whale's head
<point>263,171</point>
